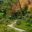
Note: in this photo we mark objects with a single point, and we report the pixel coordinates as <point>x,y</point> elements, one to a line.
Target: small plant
<point>1,15</point>
<point>18,22</point>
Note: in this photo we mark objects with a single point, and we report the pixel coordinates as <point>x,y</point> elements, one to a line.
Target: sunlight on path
<point>20,30</point>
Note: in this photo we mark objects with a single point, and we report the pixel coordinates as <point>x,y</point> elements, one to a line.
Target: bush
<point>18,22</point>
<point>1,15</point>
<point>24,10</point>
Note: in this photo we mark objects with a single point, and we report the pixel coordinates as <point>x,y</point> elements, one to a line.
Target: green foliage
<point>13,1</point>
<point>18,22</point>
<point>1,1</point>
<point>1,15</point>
<point>24,10</point>
<point>7,15</point>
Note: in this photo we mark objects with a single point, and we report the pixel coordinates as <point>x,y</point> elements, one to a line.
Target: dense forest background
<point>6,9</point>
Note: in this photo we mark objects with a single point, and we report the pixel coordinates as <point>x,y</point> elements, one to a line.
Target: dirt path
<point>20,30</point>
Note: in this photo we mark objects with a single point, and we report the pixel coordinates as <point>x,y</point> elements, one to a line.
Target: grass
<point>5,28</point>
<point>24,24</point>
<point>6,21</point>
<point>3,25</point>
